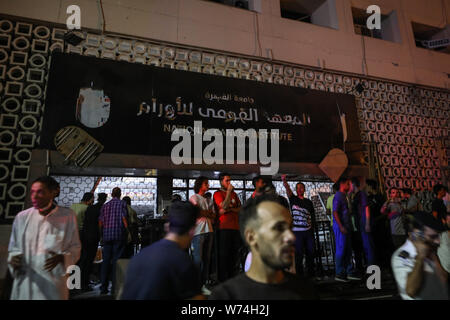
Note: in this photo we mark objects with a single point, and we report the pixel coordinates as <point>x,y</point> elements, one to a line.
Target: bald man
<point>266,228</point>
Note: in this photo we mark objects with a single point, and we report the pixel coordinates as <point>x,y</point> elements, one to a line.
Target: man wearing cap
<point>164,270</point>
<point>416,267</point>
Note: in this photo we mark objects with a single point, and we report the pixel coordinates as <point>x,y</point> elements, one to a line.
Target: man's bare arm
<point>442,274</point>
<point>415,278</point>
<point>226,203</point>
<point>286,186</point>
<point>207,213</point>
<point>341,227</point>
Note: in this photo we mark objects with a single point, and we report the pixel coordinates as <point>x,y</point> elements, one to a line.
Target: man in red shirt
<point>228,205</point>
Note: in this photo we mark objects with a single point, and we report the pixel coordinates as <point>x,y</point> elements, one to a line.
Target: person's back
<point>112,214</point>
<point>80,210</point>
<point>340,205</point>
<point>90,224</point>
<point>243,287</point>
<point>329,208</point>
<point>113,222</point>
<point>161,271</point>
<point>91,238</point>
<point>164,270</point>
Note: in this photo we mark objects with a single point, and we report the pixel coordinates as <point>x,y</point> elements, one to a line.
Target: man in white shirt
<point>203,237</point>
<point>444,248</point>
<point>44,243</point>
<point>417,270</point>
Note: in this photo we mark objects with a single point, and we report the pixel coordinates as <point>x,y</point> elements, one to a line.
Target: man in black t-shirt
<point>380,225</point>
<point>303,215</point>
<point>90,239</point>
<point>164,270</point>
<point>438,207</point>
<point>265,226</point>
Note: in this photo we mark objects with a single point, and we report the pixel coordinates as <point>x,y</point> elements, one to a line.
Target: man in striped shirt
<point>114,227</point>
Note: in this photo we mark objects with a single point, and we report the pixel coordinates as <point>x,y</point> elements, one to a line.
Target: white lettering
<point>74,20</point>
<point>374,21</point>
<point>374,281</point>
<point>184,146</point>
<point>74,280</point>
<point>216,147</point>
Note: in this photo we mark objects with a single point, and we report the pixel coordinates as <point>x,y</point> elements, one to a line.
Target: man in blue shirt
<point>164,270</point>
<point>361,238</point>
<point>342,232</point>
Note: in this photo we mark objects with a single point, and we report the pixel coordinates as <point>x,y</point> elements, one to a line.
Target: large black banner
<point>133,108</point>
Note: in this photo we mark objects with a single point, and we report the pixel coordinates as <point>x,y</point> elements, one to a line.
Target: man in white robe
<point>44,243</point>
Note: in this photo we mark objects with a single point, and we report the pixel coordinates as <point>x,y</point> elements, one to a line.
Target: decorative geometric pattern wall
<point>72,189</point>
<point>142,191</point>
<point>405,121</point>
<point>24,57</point>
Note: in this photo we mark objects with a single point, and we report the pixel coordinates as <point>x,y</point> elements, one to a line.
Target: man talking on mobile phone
<point>416,266</point>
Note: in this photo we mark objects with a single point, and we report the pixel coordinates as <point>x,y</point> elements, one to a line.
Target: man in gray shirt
<point>410,202</point>
<point>393,209</point>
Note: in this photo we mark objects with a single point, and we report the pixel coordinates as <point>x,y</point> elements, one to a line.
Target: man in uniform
<point>416,266</point>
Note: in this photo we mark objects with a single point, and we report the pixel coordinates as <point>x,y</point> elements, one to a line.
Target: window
<point>245,188</point>
<point>432,38</point>
<point>254,5</point>
<point>318,12</point>
<point>141,190</point>
<point>389,30</point>
<point>185,190</point>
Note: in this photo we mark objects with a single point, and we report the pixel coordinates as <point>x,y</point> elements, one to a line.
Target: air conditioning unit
<point>433,44</point>
<point>236,3</point>
<point>241,4</point>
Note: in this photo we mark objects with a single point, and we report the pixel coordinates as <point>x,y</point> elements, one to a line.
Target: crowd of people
<point>217,247</point>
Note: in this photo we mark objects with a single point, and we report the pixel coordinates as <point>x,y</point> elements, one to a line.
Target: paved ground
<point>328,288</point>
<point>357,290</point>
